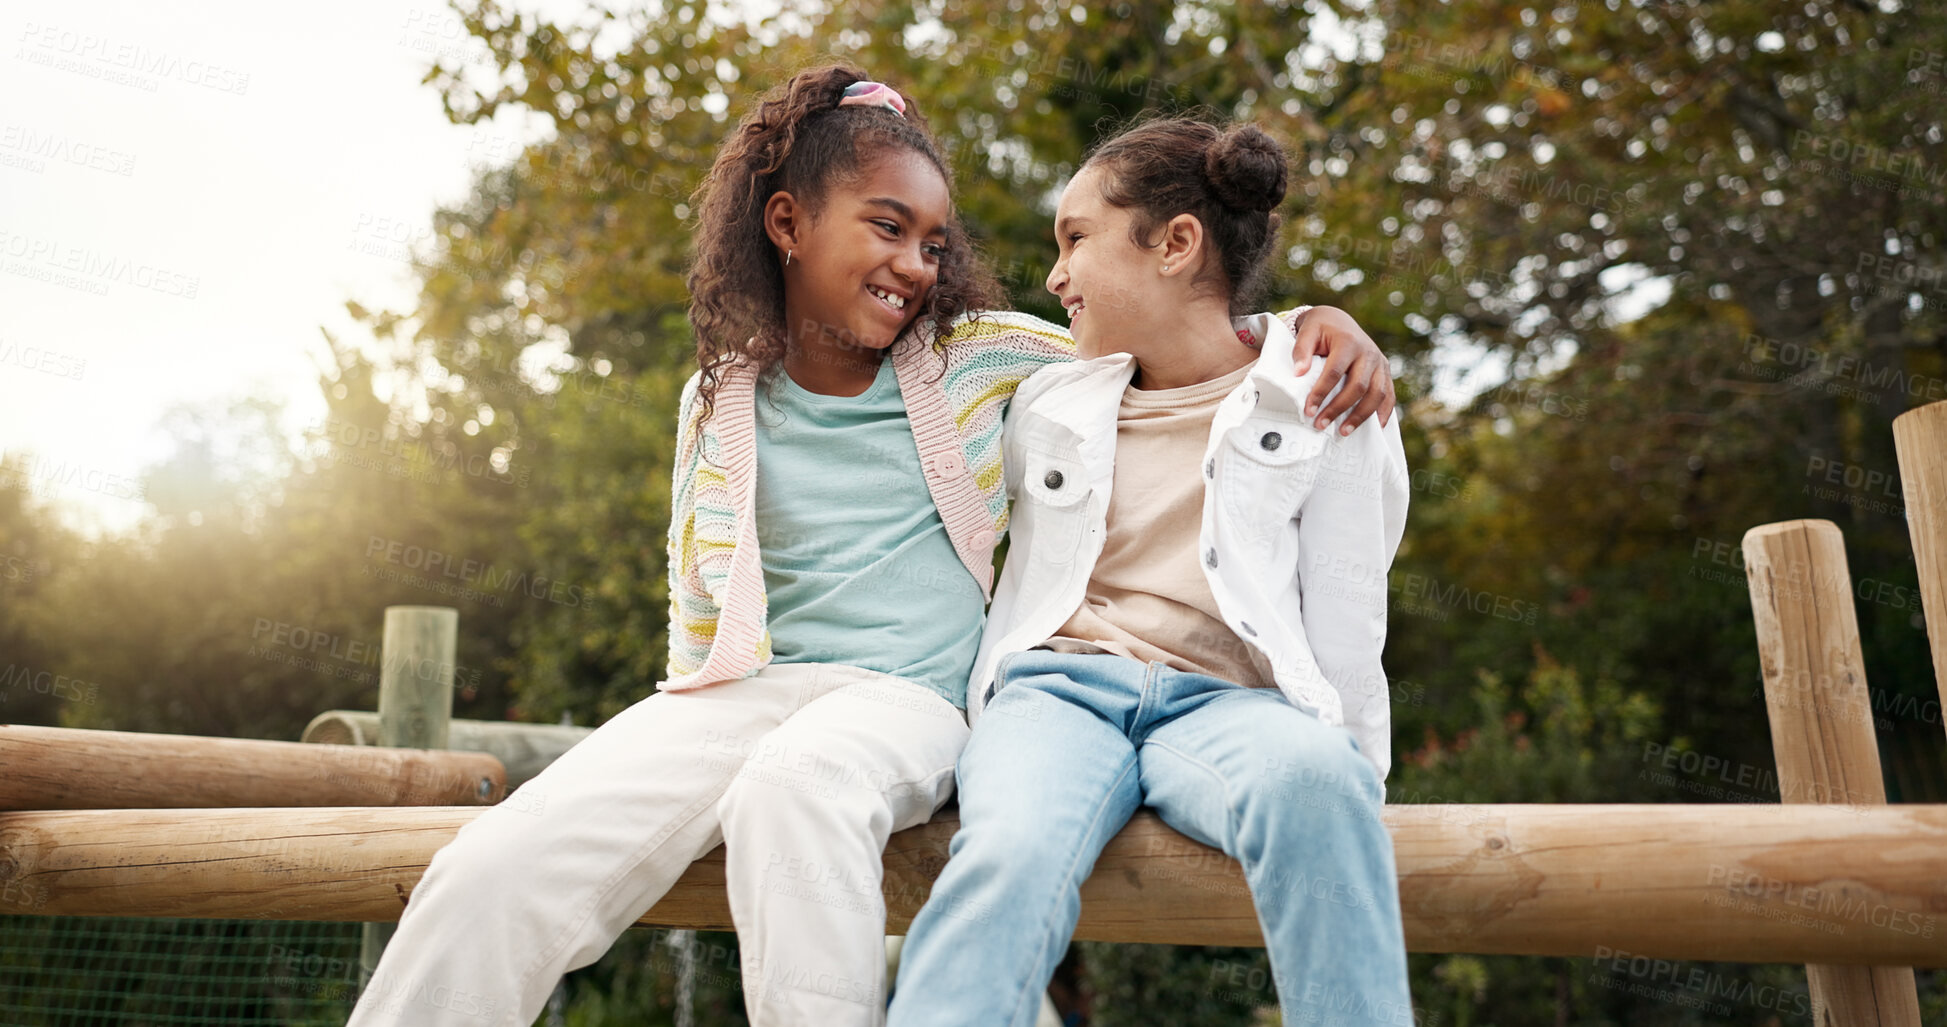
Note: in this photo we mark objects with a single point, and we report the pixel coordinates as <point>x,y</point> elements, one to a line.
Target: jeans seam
<point>1048,920</point>
<point>1223,784</point>
<point>1142,703</point>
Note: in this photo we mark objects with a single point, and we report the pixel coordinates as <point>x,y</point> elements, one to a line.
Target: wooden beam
<point>416,667</point>
<point>524,749</point>
<point>1756,883</point>
<point>1822,724</point>
<point>1920,436</point>
<point>65,768</point>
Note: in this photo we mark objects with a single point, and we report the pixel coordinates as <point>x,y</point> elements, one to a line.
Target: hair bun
<point>1246,169</point>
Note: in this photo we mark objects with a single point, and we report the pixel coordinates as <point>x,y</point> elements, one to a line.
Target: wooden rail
<point>524,749</point>
<point>1757,883</point>
<point>64,768</point>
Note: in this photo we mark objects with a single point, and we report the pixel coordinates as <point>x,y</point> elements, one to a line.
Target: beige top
<point>1147,597</point>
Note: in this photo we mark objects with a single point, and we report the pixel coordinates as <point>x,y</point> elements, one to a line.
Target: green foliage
<point>1557,741</point>
<point>1131,985</point>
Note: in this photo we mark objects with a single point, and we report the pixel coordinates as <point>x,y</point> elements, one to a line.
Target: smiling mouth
<point>889,299</point>
<point>1075,308</point>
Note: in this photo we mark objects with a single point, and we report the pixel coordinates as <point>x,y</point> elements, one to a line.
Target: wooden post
<point>1822,725</point>
<point>1695,882</point>
<point>66,768</point>
<point>524,749</point>
<point>1921,437</point>
<point>416,666</point>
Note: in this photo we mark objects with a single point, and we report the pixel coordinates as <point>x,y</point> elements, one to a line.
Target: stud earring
<point>1166,269</point>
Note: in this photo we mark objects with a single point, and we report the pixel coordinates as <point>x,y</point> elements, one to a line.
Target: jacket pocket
<point>1267,463</point>
<point>1053,487</point>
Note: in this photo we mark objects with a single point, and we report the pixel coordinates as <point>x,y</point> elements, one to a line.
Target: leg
<point>1048,777</point>
<point>544,882</point>
<point>1295,803</point>
<point>805,826</point>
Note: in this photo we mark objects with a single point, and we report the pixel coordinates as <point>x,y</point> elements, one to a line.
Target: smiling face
<point>1108,284</point>
<point>864,263</point>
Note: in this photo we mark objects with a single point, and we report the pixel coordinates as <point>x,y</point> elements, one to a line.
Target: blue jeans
<point>1069,748</point>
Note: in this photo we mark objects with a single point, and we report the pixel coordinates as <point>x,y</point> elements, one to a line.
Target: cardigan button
<point>1053,479</point>
<point>1271,440</point>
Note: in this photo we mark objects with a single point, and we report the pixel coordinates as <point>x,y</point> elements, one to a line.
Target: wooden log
<point>524,749</point>
<point>416,655</point>
<point>1757,883</point>
<point>65,768</point>
<point>1920,436</point>
<point>1822,724</point>
<point>416,675</point>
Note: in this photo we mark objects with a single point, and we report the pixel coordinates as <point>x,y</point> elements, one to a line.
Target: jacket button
<point>1053,480</point>
<point>1271,440</point>
<point>1210,558</point>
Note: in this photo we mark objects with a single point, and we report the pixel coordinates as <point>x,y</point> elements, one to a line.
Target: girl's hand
<point>1349,354</point>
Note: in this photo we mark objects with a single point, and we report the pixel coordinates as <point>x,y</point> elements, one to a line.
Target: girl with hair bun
<point>1191,615</point>
<point>835,509</point>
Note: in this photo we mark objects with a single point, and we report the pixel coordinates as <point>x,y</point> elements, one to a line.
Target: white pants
<point>801,771</point>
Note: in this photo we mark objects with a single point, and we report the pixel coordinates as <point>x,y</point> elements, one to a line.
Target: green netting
<point>88,971</point>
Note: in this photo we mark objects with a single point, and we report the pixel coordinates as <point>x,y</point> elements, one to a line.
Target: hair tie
<point>874,94</point>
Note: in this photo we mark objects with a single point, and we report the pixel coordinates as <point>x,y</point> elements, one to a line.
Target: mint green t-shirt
<point>858,567</point>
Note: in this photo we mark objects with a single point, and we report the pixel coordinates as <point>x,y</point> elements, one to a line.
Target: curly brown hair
<point>798,140</point>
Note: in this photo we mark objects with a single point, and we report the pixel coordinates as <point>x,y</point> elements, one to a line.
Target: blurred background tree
<point>1652,273</point>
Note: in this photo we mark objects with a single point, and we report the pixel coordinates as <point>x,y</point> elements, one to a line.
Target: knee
<point>495,849</point>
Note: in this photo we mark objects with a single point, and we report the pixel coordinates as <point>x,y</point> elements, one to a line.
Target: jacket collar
<point>1091,390</point>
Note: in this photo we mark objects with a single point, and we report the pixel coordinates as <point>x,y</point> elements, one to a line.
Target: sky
<point>185,202</point>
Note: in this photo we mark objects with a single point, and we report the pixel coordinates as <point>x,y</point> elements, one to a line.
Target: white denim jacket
<point>1299,528</point>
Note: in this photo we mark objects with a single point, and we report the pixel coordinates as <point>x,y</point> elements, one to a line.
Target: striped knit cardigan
<point>717,606</point>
